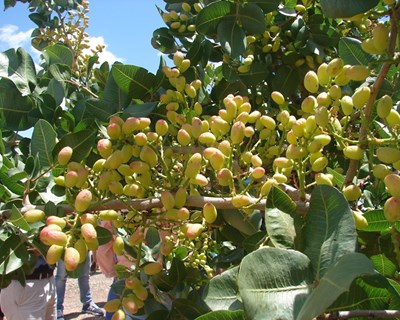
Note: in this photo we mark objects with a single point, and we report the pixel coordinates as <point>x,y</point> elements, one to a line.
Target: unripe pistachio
<point>266,187</point>
<point>324,99</point>
<point>178,58</point>
<point>353,152</point>
<point>359,220</point>
<point>319,164</point>
<point>241,200</point>
<point>64,155</point>
<point>225,147</point>
<point>209,212</point>
<point>34,215</point>
<point>56,220</point>
<point>54,253</point>
<point>152,268</point>
<point>167,199</point>
<point>360,97</point>
<point>314,146</point>
<point>144,123</point>
<point>237,132</point>
<point>358,73</point>
<point>341,79</point>
<point>334,67</point>
<point>384,106</point>
<point>256,161</point>
<point>311,82</point>
<point>193,165</point>
<point>207,138</point>
<point>217,160</point>
<point>81,247</point>
<point>71,258</point>
<point>92,245</point>
<point>392,183</point>
<point>71,178</point>
<point>185,65</point>
<point>192,230</point>
<point>88,232</point>
<point>391,209</point>
<point>388,154</point>
<point>88,218</point>
<point>83,200</point>
<point>323,75</point>
<point>108,215</point>
<point>322,116</point>
<point>309,104</point>
<point>199,180</point>
<point>393,119</point>
<point>130,304</point>
<point>183,137</point>
<point>166,247</point>
<point>352,192</point>
<point>346,104</point>
<point>323,179</point>
<point>295,152</point>
<point>114,131</point>
<point>268,122</point>
<point>335,92</point>
<point>225,177</point>
<point>149,156</point>
<point>280,178</point>
<point>60,181</point>
<point>180,197</point>
<point>380,171</point>
<point>112,305</point>
<point>282,162</point>
<point>131,124</point>
<point>118,246</point>
<point>119,315</point>
<point>278,97</point>
<point>380,37</point>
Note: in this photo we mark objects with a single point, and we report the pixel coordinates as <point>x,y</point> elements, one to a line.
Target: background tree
<point>253,178</point>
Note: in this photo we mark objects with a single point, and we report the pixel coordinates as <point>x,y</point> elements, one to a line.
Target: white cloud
<point>12,37</point>
<point>105,55</point>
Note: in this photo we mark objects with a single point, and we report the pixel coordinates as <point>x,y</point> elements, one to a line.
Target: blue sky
<point>124,26</point>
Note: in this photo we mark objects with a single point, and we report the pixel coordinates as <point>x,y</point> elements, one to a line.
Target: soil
<point>99,286</point>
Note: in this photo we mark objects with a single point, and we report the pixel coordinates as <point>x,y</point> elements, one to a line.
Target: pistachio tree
<point>255,175</point>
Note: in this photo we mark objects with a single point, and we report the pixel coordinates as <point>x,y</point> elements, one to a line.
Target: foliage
<point>254,176</point>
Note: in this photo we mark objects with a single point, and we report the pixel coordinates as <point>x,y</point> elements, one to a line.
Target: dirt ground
<point>99,286</point>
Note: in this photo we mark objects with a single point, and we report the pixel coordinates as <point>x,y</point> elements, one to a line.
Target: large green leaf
<point>17,219</point>
<point>346,8</point>
<point>336,280</point>
<point>13,253</point>
<point>258,72</point>
<point>221,292</point>
<point>279,199</point>
<point>186,309</point>
<point>17,65</point>
<point>100,109</point>
<point>14,186</point>
<point>351,53</point>
<point>133,80</point>
<point>239,220</point>
<point>14,108</point>
<point>330,231</point>
<point>81,142</point>
<point>223,315</point>
<point>376,221</point>
<point>232,38</point>
<point>140,110</point>
<point>163,41</point>
<point>384,265</point>
<point>43,142</point>
<point>274,283</point>
<point>280,228</point>
<point>285,80</point>
<point>114,95</point>
<point>267,5</point>
<point>208,19</point>
<point>252,18</point>
<point>58,54</point>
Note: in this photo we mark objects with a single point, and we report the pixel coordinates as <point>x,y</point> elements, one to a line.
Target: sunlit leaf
<point>346,8</point>
<point>43,142</point>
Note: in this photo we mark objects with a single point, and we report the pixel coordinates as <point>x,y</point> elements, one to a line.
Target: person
<point>34,301</point>
<point>88,305</point>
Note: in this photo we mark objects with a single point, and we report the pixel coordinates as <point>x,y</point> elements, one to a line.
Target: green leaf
<point>103,235</point>
<point>58,54</point>
<point>210,16</point>
<point>286,80</point>
<point>274,283</point>
<point>346,8</point>
<point>252,18</point>
<point>186,309</point>
<point>330,232</point>
<point>100,109</point>
<point>232,38</point>
<point>43,142</point>
<point>336,280</point>
<point>267,5</point>
<point>17,65</point>
<point>351,53</point>
<point>177,272</point>
<point>255,241</point>
<point>279,199</point>
<point>133,80</point>
<point>384,265</point>
<point>56,90</point>
<point>376,221</point>
<point>13,253</point>
<point>13,186</point>
<point>221,291</point>
<point>163,41</point>
<point>81,142</point>
<point>60,72</point>
<point>14,108</point>
<point>17,219</point>
<point>280,228</point>
<point>114,95</point>
<point>238,220</point>
<point>223,315</point>
<point>258,72</point>
<point>140,110</point>
<point>337,177</point>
